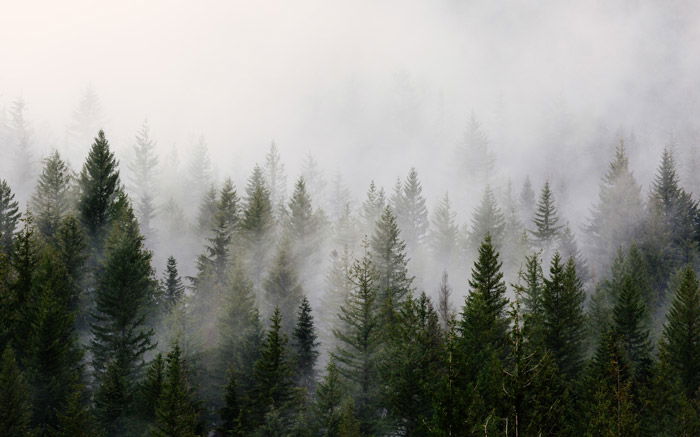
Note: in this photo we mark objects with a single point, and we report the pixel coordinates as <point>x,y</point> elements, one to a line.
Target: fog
<point>368,89</point>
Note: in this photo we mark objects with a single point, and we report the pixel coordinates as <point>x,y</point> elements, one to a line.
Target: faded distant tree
<point>275,178</point>
<point>53,198</point>
<point>142,178</point>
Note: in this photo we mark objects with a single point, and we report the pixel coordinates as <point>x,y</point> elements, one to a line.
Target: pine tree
<point>443,234</point>
<point>630,320</point>
<point>142,168</point>
<point>527,200</point>
<point>329,400</point>
<point>207,211</point>
<point>273,384</point>
<point>568,248</point>
<point>475,156</point>
<point>70,247</point>
<point>487,220</point>
<point>257,221</point>
<point>9,216</point>
<point>303,226</point>
<point>545,220</point>
<point>619,199</point>
<point>15,404</point>
<point>86,120</point>
<point>282,286</point>
<point>231,413</point>
<point>176,412</point>
<point>52,200</point>
<point>315,180</point>
<point>99,191</point>
<point>411,212</point>
<point>680,346</point>
<point>563,318</point>
<point>359,339</point>
<point>390,260</point>
<point>24,260</point>
<point>21,137</point>
<point>305,346</point>
<point>275,178</point>
<point>120,335</point>
<point>199,171</point>
<point>75,418</point>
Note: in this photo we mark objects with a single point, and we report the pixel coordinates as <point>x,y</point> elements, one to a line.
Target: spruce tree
<point>563,319</point>
<point>359,340</point>
<point>75,419</point>
<point>487,220</point>
<point>22,300</point>
<point>9,217</point>
<point>71,247</point>
<point>303,226</point>
<point>273,375</point>
<point>172,286</point>
<point>52,199</point>
<point>546,219</point>
<point>275,178</point>
<point>443,234</point>
<point>99,191</point>
<point>411,212</point>
<point>372,208</point>
<point>630,320</point>
<point>305,346</point>
<point>389,257</point>
<point>176,411</point>
<point>207,211</point>
<point>142,171</point>
<point>151,388</point>
<point>15,403</point>
<point>257,222</point>
<point>87,118</point>
<point>21,141</point>
<point>680,346</point>
<point>329,399</point>
<point>282,286</point>
<point>231,412</point>
<point>120,335</point>
<point>527,200</point>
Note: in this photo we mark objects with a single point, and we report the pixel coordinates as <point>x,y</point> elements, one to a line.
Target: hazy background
<point>369,88</point>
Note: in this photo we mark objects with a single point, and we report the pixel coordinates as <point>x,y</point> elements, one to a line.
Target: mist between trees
<point>308,313</point>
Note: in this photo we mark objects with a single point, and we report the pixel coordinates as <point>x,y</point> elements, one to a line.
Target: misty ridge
<point>445,219</point>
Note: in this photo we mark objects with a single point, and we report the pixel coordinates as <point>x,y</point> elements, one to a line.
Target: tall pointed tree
<point>372,208</point>
<point>15,404</point>
<point>546,219</point>
<point>257,222</point>
<point>52,199</point>
<point>173,290</point>
<point>142,171</point>
<point>9,216</point>
<point>411,213</point>
<point>487,220</point>
<point>305,346</point>
<point>275,178</point>
<point>282,287</point>
<point>444,233</point>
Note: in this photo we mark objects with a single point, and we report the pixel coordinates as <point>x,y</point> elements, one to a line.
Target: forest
<point>304,321</point>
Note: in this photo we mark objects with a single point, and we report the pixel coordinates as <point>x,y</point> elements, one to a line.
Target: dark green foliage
<point>231,413</point>
<point>152,388</point>
<point>75,419</point>
<point>680,346</point>
<point>563,321</point>
<point>256,223</point>
<point>9,216</point>
<point>15,404</point>
<point>99,191</point>
<point>329,400</point>
<point>21,300</point>
<point>273,390</point>
<point>176,412</point>
<point>172,288</point>
<point>546,219</point>
<point>52,199</point>
<point>411,212</point>
<point>305,346</point>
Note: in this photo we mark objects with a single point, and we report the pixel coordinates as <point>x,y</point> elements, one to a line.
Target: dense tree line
<point>261,341</point>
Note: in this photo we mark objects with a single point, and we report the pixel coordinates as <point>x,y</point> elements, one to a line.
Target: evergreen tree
<point>70,247</point>
<point>631,327</point>
<point>619,200</point>
<point>372,208</point>
<point>142,168</point>
<point>475,156</point>
<point>443,234</point>
<point>87,119</point>
<point>445,310</point>
<point>273,385</point>
<point>680,346</point>
<point>75,419</point>
<point>22,300</point>
<point>99,192</point>
<point>545,220</point>
<point>390,260</point>
<point>256,222</point>
<point>563,318</point>
<point>359,340</point>
<point>303,226</point>
<point>329,400</point>
<point>232,411</point>
<point>282,287</point>
<point>207,211</point>
<point>172,286</point>
<point>305,346</point>
<point>176,412</point>
<point>527,200</point>
<point>487,220</point>
<point>199,172</point>
<point>52,200</point>
<point>568,248</point>
<point>275,178</point>
<point>15,404</point>
<point>313,176</point>
<point>21,137</point>
<point>411,212</point>
<point>120,335</point>
<point>9,216</point>
<point>152,387</point>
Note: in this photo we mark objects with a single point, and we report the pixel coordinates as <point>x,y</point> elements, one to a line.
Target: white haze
<point>369,88</point>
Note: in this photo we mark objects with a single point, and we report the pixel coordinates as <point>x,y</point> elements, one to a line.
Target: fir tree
<point>680,346</point>
<point>568,248</point>
<point>176,412</point>
<point>390,260</point>
<point>563,319</point>
<point>15,404</point>
<point>52,199</point>
<point>21,137</point>
<point>24,261</point>
<point>9,216</point>
<point>545,220</point>
<point>305,345</point>
<point>282,287</point>
<point>87,119</point>
<point>411,212</point>
<point>630,326</point>
<point>275,178</point>
<point>142,168</point>
<point>152,387</point>
<point>475,156</point>
<point>273,385</point>
<point>329,399</point>
<point>70,247</point>
<point>527,200</point>
<point>120,335</point>
<point>99,191</point>
<point>359,340</point>
<point>372,207</point>
<point>173,288</point>
<point>75,418</point>
<point>256,222</point>
<point>207,211</point>
<point>303,226</point>
<point>199,171</point>
<point>487,220</point>
<point>231,412</point>
<point>443,234</point>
